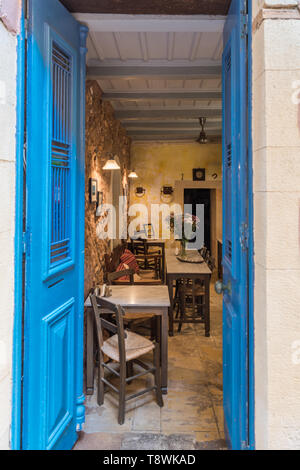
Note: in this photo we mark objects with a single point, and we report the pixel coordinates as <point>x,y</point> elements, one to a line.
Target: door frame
<point>251,266</point>
<point>17,360</point>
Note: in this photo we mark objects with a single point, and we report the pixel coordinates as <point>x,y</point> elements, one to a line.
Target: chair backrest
<point>111,277</point>
<point>140,247</point>
<point>101,305</point>
<point>211,263</point>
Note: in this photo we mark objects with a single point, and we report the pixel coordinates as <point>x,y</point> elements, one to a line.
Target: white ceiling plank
<point>144,46</point>
<point>118,42</point>
<point>151,23</point>
<point>171,45</point>
<point>182,45</point>
<point>196,45</point>
<point>97,46</point>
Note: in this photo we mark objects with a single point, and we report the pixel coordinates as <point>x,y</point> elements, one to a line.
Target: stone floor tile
<point>144,441</point>
<point>147,417</point>
<point>99,441</point>
<point>188,412</point>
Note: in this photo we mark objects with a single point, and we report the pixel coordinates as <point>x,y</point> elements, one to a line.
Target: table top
<point>138,296</point>
<point>174,266</point>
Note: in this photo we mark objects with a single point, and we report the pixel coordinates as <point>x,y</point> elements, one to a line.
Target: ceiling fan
<point>202,139</point>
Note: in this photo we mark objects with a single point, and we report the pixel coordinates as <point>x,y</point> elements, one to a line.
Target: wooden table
<point>177,270</point>
<point>159,244</point>
<point>153,300</point>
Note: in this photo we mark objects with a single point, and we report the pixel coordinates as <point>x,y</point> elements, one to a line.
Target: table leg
<point>163,263</point>
<point>164,351</point>
<point>207,306</point>
<point>90,352</point>
<point>171,310</point>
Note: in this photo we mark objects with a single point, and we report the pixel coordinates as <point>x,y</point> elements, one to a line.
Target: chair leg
<point>122,390</point>
<point>129,370</point>
<point>182,313</point>
<point>100,393</point>
<point>153,329</point>
<point>159,397</point>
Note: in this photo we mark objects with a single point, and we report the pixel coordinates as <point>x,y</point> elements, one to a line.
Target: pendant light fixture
<point>202,139</point>
<point>132,174</point>
<point>111,164</point>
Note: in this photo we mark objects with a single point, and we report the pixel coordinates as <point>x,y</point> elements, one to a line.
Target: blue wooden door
<point>235,226</point>
<point>53,325</point>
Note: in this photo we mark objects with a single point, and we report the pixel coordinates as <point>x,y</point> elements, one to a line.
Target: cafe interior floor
<point>192,416</point>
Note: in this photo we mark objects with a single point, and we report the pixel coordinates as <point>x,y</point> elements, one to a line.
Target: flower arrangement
<point>184,227</point>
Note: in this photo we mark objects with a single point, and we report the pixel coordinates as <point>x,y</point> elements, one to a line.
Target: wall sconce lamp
<point>111,164</point>
<point>140,191</point>
<point>167,190</point>
<point>132,174</point>
<point>166,193</point>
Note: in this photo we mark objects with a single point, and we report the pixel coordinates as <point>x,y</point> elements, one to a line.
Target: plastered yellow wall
<point>164,163</point>
<point>159,164</point>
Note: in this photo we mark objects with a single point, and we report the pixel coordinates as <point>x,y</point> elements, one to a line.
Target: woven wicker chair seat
<point>135,346</point>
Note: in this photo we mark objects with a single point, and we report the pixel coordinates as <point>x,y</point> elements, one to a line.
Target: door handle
<point>221,288</point>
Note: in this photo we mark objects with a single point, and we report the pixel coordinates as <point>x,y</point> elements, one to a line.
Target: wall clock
<point>199,174</point>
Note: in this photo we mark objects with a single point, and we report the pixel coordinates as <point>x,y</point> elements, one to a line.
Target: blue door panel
<point>53,329</point>
<point>235,218</point>
<point>59,366</point>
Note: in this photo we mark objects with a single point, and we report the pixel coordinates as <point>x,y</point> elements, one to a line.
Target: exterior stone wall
<point>276,147</point>
<point>104,134</point>
<point>8,70</point>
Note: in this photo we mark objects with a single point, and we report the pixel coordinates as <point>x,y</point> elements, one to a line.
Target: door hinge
<point>26,28</point>
<point>244,236</point>
<point>245,445</point>
<point>25,243</point>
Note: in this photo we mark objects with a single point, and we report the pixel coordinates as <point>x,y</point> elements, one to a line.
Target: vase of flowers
<point>184,226</point>
<point>183,248</point>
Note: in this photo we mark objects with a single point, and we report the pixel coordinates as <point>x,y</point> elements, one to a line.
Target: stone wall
<point>276,150</point>
<point>8,70</point>
<point>104,134</point>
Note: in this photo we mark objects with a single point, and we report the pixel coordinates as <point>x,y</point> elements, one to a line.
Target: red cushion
<point>122,267</point>
<point>129,259</point>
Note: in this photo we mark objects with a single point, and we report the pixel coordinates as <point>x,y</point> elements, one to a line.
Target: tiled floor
<point>192,416</point>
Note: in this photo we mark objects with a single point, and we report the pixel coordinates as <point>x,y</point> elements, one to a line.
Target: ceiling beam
<point>171,72</point>
<point>100,23</point>
<point>174,138</point>
<point>167,113</point>
<point>162,95</point>
<point>188,125</point>
<point>189,133</point>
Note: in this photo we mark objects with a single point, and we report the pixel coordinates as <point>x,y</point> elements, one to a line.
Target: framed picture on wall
<point>199,174</point>
<point>93,190</point>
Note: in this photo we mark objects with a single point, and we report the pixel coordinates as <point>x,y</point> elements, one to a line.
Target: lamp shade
<point>132,174</point>
<point>111,165</point>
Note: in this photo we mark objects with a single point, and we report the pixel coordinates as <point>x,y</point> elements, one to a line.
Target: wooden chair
<point>114,277</point>
<point>192,298</point>
<point>148,257</point>
<point>125,348</point>
<point>134,320</point>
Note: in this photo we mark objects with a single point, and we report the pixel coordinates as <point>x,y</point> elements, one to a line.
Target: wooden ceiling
<point>146,7</point>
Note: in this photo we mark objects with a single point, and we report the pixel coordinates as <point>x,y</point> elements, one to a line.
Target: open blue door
<point>235,227</point>
<point>53,325</point>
